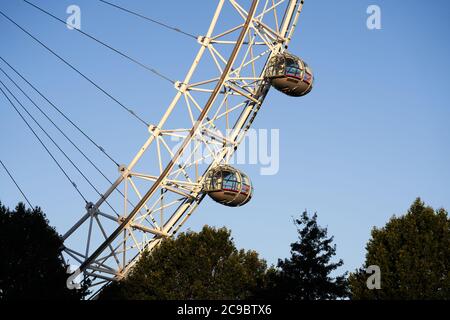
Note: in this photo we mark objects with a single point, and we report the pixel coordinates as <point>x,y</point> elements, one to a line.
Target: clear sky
<point>372,136</point>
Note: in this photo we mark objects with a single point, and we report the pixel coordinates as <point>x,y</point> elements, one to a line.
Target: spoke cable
<point>162,24</point>
<point>44,146</point>
<point>68,119</point>
<point>56,145</point>
<point>76,70</point>
<point>17,185</point>
<point>55,125</point>
<point>152,70</point>
<point>61,112</point>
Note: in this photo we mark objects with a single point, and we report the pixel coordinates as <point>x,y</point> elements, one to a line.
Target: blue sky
<point>372,135</point>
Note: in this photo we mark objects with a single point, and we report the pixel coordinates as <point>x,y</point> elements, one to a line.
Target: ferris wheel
<point>186,155</point>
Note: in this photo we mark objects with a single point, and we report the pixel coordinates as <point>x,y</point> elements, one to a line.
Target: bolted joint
<point>124,171</point>
<point>89,206</point>
<point>154,130</point>
<point>258,24</point>
<point>180,86</point>
<point>120,276</point>
<point>204,41</point>
<point>91,209</point>
<point>121,219</point>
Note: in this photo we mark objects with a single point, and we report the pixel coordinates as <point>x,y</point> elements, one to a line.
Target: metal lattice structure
<point>212,110</point>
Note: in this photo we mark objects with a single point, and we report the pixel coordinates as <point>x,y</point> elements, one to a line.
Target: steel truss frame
<point>219,110</point>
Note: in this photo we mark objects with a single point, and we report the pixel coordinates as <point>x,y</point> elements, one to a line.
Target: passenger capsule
<point>228,186</point>
<point>289,74</point>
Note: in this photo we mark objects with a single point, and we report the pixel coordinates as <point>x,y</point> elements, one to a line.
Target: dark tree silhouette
<point>413,254</point>
<point>307,274</point>
<point>204,265</point>
<point>30,263</point>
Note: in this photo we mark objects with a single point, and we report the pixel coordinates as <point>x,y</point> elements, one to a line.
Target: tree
<point>413,254</point>
<point>204,265</point>
<point>30,263</point>
<point>307,274</point>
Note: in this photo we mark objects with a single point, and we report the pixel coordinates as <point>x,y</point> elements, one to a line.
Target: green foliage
<point>30,264</point>
<point>204,265</point>
<point>307,274</point>
<point>413,253</point>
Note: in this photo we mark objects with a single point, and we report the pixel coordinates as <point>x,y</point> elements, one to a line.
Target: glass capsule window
<point>293,68</point>
<point>246,185</point>
<point>230,181</point>
<point>286,65</point>
<point>276,66</point>
<point>221,179</point>
<point>215,182</point>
